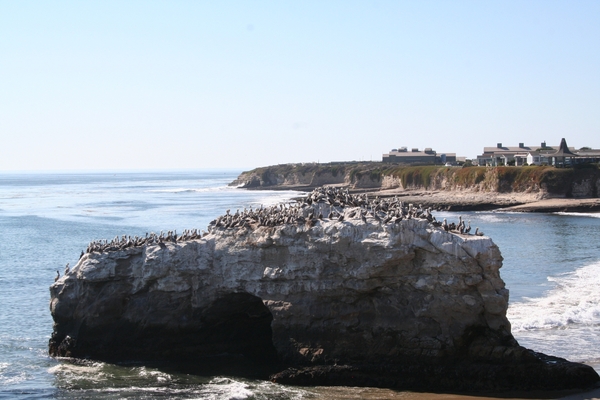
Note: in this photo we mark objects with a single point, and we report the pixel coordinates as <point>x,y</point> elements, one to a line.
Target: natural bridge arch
<point>238,325</point>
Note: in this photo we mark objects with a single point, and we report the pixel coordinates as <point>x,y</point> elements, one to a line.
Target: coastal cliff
<point>537,181</point>
<point>336,290</point>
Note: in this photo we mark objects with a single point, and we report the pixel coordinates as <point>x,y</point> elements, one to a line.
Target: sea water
<point>551,266</point>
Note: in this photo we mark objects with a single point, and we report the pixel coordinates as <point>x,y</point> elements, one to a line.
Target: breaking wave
<point>574,302</point>
<point>575,214</point>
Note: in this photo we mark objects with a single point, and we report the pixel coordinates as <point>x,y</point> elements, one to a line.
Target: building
<point>536,155</point>
<point>588,155</point>
<point>537,158</point>
<point>414,156</point>
<point>517,155</point>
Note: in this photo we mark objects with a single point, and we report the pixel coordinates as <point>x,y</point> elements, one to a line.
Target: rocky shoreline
<point>338,289</point>
<point>513,202</point>
<point>531,371</point>
<point>476,201</point>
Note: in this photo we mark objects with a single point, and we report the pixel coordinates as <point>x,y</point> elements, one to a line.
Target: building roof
<point>409,154</point>
<point>589,153</point>
<point>563,150</point>
<point>512,149</point>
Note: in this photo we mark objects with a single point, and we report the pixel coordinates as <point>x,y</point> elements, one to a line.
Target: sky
<point>97,85</point>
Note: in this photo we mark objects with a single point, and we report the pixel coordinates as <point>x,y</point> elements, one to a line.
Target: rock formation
<point>330,300</point>
<point>534,181</point>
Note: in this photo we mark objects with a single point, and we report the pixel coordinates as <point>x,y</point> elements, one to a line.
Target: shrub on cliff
<point>415,176</point>
<point>469,176</point>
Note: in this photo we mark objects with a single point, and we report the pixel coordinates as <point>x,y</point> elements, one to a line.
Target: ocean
<point>551,267</point>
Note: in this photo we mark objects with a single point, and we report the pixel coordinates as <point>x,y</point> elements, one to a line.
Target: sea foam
<point>574,301</point>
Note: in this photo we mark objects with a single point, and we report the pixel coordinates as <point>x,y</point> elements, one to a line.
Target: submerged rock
<point>332,301</point>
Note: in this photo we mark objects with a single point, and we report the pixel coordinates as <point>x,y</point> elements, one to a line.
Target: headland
<point>523,189</point>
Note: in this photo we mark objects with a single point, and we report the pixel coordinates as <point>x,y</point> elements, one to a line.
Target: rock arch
<point>239,325</point>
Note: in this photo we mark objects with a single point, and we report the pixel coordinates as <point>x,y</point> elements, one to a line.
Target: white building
<point>503,155</point>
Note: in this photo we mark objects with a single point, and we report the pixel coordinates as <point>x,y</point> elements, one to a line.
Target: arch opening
<point>236,331</point>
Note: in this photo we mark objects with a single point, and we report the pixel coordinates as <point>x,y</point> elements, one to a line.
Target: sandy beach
<point>389,394</point>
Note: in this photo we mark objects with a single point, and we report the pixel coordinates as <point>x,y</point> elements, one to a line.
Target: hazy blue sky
<point>213,84</point>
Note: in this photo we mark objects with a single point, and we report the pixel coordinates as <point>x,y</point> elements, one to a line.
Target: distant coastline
<point>518,189</point>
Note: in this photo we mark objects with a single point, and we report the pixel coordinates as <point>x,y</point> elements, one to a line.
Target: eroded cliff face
<point>336,291</point>
<point>540,181</point>
<point>351,292</point>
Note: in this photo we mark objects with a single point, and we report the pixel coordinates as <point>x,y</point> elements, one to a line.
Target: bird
<point>67,269</point>
<point>461,225</point>
<point>445,225</point>
<point>478,232</point>
<point>57,276</point>
<point>362,216</point>
<point>376,217</point>
<point>468,228</point>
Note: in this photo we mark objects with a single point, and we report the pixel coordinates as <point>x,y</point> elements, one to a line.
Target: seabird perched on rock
<point>362,216</point>
<point>377,218</point>
<point>461,225</point>
<point>477,232</point>
<point>445,225</point>
<point>57,276</point>
<point>67,269</point>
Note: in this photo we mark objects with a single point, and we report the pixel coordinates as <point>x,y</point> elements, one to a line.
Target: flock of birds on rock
<point>125,242</point>
<point>325,203</point>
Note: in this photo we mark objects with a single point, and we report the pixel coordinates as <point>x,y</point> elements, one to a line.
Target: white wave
<point>159,376</point>
<point>490,218</point>
<point>284,197</point>
<point>574,301</point>
<point>226,388</point>
<point>576,214</point>
<point>184,190</point>
<point>89,369</point>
